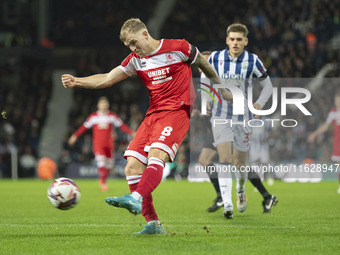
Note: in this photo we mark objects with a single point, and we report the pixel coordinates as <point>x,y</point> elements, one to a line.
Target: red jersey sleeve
<point>120,124</point>
<point>189,51</point>
<point>86,125</point>
<point>125,129</point>
<point>331,116</point>
<point>80,130</point>
<point>128,65</point>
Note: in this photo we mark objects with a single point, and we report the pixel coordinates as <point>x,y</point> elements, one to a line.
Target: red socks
<point>133,181</point>
<point>151,178</point>
<point>148,210</point>
<point>145,184</point>
<point>103,173</point>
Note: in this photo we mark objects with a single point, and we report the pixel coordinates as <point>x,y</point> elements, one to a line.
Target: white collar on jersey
<point>160,45</point>
<point>102,113</point>
<point>234,60</point>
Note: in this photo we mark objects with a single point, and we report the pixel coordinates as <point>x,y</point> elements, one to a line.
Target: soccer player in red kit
<point>333,118</point>
<point>102,123</point>
<point>164,67</point>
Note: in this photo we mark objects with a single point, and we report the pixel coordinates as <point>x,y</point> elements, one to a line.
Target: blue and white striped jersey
<point>240,71</point>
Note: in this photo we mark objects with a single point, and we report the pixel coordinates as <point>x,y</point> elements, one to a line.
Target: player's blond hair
<point>238,28</point>
<point>131,26</point>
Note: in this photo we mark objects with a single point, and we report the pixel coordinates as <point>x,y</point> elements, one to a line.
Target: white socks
<point>225,181</point>
<point>137,196</point>
<point>241,178</point>
<point>154,222</point>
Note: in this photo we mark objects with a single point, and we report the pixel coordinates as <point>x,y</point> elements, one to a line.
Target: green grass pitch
<point>305,221</point>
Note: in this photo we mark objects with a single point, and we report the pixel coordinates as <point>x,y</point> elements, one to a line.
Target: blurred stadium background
<point>41,39</point>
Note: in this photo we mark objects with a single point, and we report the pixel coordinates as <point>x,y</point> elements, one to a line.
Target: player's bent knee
<point>225,160</point>
<point>133,167</point>
<point>203,161</point>
<point>130,170</point>
<point>157,153</point>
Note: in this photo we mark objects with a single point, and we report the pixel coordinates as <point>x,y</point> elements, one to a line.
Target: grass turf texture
<point>305,221</point>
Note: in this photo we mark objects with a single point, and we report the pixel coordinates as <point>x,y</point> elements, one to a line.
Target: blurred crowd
<point>26,87</point>
<point>291,38</point>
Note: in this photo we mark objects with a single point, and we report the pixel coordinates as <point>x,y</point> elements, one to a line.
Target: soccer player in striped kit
<point>102,123</point>
<point>164,67</point>
<point>238,66</point>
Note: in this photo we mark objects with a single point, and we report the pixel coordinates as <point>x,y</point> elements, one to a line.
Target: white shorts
<point>239,135</point>
<point>335,158</point>
<point>259,153</point>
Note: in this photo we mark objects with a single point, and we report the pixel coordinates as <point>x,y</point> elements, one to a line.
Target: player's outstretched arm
<point>72,139</point>
<point>257,107</point>
<point>267,91</point>
<point>96,81</point>
<point>210,73</point>
<point>322,129</point>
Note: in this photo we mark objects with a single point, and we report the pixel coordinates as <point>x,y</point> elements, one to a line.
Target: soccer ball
<point>63,193</point>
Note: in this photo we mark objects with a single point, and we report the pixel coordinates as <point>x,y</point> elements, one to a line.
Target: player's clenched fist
<point>68,80</point>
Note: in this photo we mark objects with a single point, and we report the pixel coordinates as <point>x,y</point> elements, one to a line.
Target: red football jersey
<point>102,128</point>
<point>334,117</point>
<point>166,73</point>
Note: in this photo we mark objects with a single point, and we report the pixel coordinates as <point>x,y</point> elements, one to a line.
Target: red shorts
<point>336,150</point>
<point>106,151</point>
<point>163,130</point>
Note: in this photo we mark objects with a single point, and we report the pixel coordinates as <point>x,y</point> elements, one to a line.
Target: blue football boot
<point>151,228</point>
<point>128,202</point>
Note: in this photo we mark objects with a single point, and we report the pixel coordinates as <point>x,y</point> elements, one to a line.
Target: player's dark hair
<point>238,28</point>
<point>131,26</point>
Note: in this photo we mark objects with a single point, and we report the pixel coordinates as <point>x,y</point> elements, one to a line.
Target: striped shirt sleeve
<point>259,68</point>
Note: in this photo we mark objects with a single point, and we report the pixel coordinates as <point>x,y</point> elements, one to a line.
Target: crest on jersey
<point>103,126</point>
<point>245,66</point>
<point>169,58</point>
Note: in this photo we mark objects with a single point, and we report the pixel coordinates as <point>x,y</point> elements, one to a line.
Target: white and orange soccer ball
<point>63,193</point>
